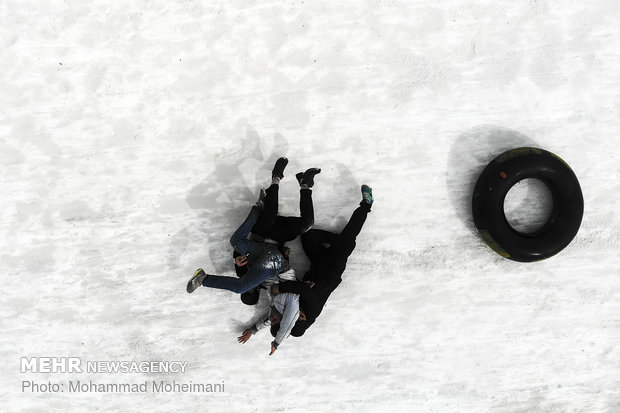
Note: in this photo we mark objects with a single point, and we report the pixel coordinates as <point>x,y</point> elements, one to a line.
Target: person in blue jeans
<point>280,229</point>
<point>262,260</point>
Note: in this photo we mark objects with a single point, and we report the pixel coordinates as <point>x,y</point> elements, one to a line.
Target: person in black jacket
<point>327,263</point>
<point>278,228</point>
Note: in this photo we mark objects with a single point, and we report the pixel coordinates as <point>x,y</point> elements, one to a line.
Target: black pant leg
<point>267,217</point>
<point>344,243</point>
<point>306,209</point>
<point>354,226</point>
<point>288,228</point>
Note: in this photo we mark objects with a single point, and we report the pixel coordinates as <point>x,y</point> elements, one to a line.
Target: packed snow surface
<point>135,135</point>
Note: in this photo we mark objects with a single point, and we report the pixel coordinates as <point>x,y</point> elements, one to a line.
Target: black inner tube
<point>490,192</point>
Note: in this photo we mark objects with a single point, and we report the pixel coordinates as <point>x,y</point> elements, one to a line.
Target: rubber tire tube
<point>501,174</point>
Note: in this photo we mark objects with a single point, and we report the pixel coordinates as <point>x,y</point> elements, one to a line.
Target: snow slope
<point>134,136</point>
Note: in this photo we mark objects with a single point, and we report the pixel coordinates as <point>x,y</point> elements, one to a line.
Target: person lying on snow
<point>278,228</point>
<point>264,260</point>
<point>301,302</point>
<point>282,316</point>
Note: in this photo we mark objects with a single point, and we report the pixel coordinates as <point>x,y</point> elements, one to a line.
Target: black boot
<point>299,176</point>
<point>307,178</point>
<point>278,168</point>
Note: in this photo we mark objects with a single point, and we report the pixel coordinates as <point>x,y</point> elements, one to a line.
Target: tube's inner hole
<point>528,205</point>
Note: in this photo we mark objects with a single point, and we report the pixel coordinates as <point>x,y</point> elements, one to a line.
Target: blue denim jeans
<point>240,241</point>
<point>264,262</point>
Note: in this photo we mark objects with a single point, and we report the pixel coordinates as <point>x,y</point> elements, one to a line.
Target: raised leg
<point>344,243</point>
<point>288,228</point>
<point>239,239</point>
<point>354,226</point>
<point>267,217</point>
<point>306,209</point>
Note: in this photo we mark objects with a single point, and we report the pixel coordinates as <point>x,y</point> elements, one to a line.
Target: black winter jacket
<point>312,299</point>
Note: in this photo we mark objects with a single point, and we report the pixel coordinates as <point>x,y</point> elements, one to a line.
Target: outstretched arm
<point>247,334</point>
<point>289,317</point>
